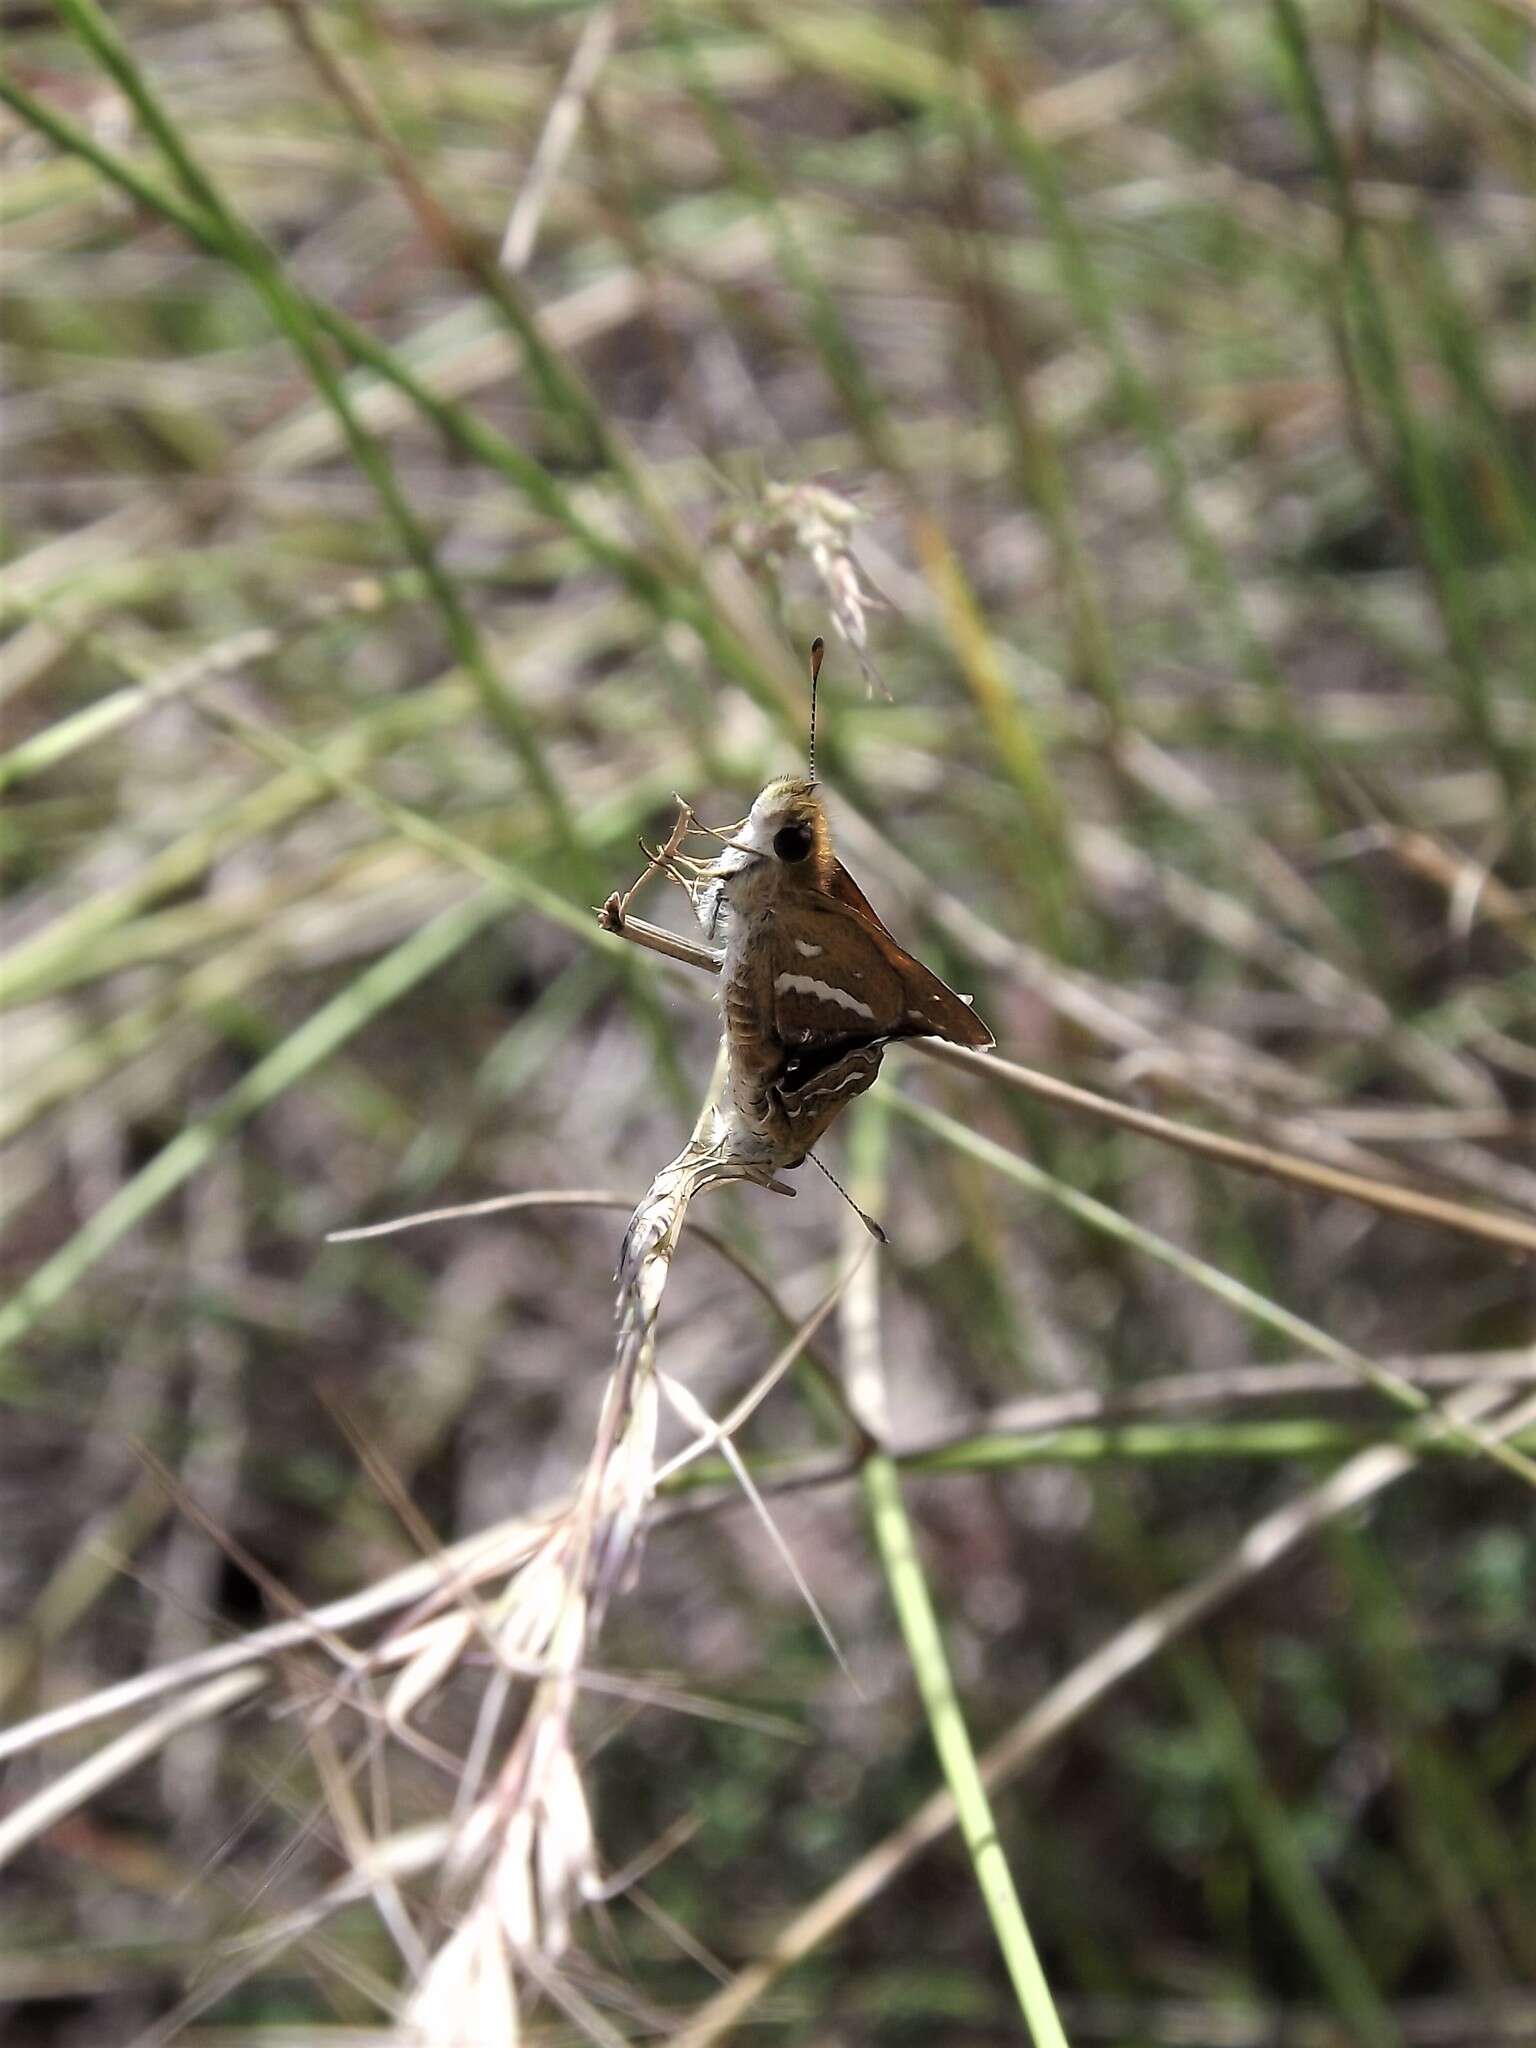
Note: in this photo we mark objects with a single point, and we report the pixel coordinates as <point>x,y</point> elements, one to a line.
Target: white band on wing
<point>808,985</point>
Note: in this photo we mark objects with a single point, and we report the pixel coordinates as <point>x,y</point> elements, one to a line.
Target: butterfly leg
<point>658,860</point>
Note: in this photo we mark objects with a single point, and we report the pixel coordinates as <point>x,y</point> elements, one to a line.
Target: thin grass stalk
<point>1085,1446</point>
<point>1093,301</point>
<point>294,318</point>
<point>896,1543</point>
<point>34,1817</point>
<point>321,1035</point>
<point>1461,1836</point>
<point>1042,825</point>
<point>669,597</point>
<point>560,383</point>
<point>38,966</point>
<point>534,1861</point>
<point>1072,1698</point>
<point>1434,516</point>
<point>1411,1204</point>
<point>1014,1435</point>
<point>1247,1300</point>
<point>1316,1924</point>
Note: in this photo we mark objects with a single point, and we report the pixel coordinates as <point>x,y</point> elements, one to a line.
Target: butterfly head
<point>786,834</point>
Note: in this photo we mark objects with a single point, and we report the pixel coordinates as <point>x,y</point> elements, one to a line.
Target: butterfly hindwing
<point>812,1090</point>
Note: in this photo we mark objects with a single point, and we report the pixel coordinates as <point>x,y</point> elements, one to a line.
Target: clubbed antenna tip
<point>818,649</point>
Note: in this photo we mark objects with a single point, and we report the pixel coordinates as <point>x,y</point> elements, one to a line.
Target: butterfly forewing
<point>842,885</point>
<point>840,979</point>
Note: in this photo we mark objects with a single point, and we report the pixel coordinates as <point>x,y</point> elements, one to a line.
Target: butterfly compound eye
<point>792,842</point>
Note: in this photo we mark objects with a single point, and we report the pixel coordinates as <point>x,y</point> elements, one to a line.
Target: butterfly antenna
<point>867,1220</point>
<point>818,649</point>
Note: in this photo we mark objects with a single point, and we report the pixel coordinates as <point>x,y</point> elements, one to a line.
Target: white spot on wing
<point>811,952</point>
<point>848,1081</point>
<point>808,985</point>
<point>860,1072</point>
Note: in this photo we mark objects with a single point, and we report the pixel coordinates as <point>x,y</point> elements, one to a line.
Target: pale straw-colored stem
<point>1515,1233</point>
<point>529,1860</point>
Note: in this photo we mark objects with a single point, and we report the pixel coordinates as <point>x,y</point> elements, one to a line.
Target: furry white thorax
<point>751,876</point>
<point>763,820</point>
<point>749,893</point>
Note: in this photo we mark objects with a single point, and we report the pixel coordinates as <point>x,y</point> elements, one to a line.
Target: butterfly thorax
<point>757,881</point>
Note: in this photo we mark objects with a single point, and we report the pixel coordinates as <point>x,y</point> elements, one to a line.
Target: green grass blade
<point>384,983</point>
<point>1247,1300</point>
<point>896,1544</point>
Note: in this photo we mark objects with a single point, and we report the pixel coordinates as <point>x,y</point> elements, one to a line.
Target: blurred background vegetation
<point>434,431</point>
